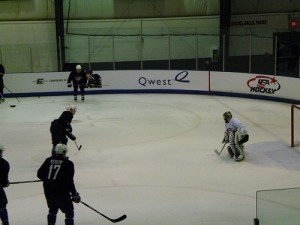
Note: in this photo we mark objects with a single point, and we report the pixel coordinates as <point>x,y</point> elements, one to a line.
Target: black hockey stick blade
<point>11,106</point>
<point>118,219</point>
<point>110,219</point>
<point>78,147</point>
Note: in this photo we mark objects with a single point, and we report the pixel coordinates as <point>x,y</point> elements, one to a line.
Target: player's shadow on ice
<point>274,154</point>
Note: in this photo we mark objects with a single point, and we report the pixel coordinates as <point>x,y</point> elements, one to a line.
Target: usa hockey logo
<point>263,84</point>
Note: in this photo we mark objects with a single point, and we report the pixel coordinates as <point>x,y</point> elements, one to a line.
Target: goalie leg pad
<point>238,137</point>
<point>232,142</point>
<point>237,149</point>
<point>230,151</point>
<point>240,155</point>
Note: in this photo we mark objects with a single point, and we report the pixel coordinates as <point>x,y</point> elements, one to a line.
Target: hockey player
<point>2,72</point>
<point>61,128</point>
<point>4,170</point>
<point>57,174</point>
<point>78,79</point>
<point>236,135</point>
<point>94,80</point>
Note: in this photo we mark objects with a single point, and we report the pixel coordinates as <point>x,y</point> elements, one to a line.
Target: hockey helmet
<point>78,67</point>
<point>89,72</point>
<point>72,109</point>
<point>227,116</point>
<point>61,149</point>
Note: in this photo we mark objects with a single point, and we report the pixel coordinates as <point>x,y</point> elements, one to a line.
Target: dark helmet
<point>227,116</point>
<point>89,72</point>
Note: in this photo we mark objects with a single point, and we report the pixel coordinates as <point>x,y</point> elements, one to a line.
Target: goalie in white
<point>236,135</point>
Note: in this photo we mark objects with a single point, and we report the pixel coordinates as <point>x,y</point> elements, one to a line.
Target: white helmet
<point>61,149</point>
<point>78,67</point>
<point>72,109</point>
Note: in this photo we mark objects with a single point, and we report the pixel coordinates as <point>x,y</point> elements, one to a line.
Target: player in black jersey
<point>4,170</point>
<point>78,78</point>
<point>2,72</point>
<point>61,128</point>
<point>57,173</point>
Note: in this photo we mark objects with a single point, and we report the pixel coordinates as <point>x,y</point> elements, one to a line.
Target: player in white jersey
<point>236,135</point>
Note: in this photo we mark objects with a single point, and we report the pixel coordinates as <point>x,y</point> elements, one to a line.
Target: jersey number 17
<point>53,171</point>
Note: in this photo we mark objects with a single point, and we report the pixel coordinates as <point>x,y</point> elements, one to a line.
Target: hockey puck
<point>12,106</point>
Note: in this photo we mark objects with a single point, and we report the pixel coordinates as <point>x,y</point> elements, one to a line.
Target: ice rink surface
<point>151,157</point>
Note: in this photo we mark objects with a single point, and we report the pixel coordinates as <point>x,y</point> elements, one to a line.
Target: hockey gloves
<point>69,85</point>
<point>71,136</point>
<point>76,197</point>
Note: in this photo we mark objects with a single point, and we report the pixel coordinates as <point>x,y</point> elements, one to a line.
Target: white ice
<point>151,157</point>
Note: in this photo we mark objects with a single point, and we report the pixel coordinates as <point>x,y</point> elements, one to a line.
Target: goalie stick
<point>111,220</point>
<point>219,152</point>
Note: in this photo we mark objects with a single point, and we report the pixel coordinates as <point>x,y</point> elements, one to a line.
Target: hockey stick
<point>111,220</point>
<point>11,93</point>
<point>24,182</point>
<point>78,147</point>
<point>219,152</point>
<point>12,106</point>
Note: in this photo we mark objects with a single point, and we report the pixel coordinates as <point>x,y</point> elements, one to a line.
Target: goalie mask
<point>227,116</point>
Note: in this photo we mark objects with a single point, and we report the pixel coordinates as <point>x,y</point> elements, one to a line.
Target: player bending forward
<point>236,135</point>
<point>61,128</point>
